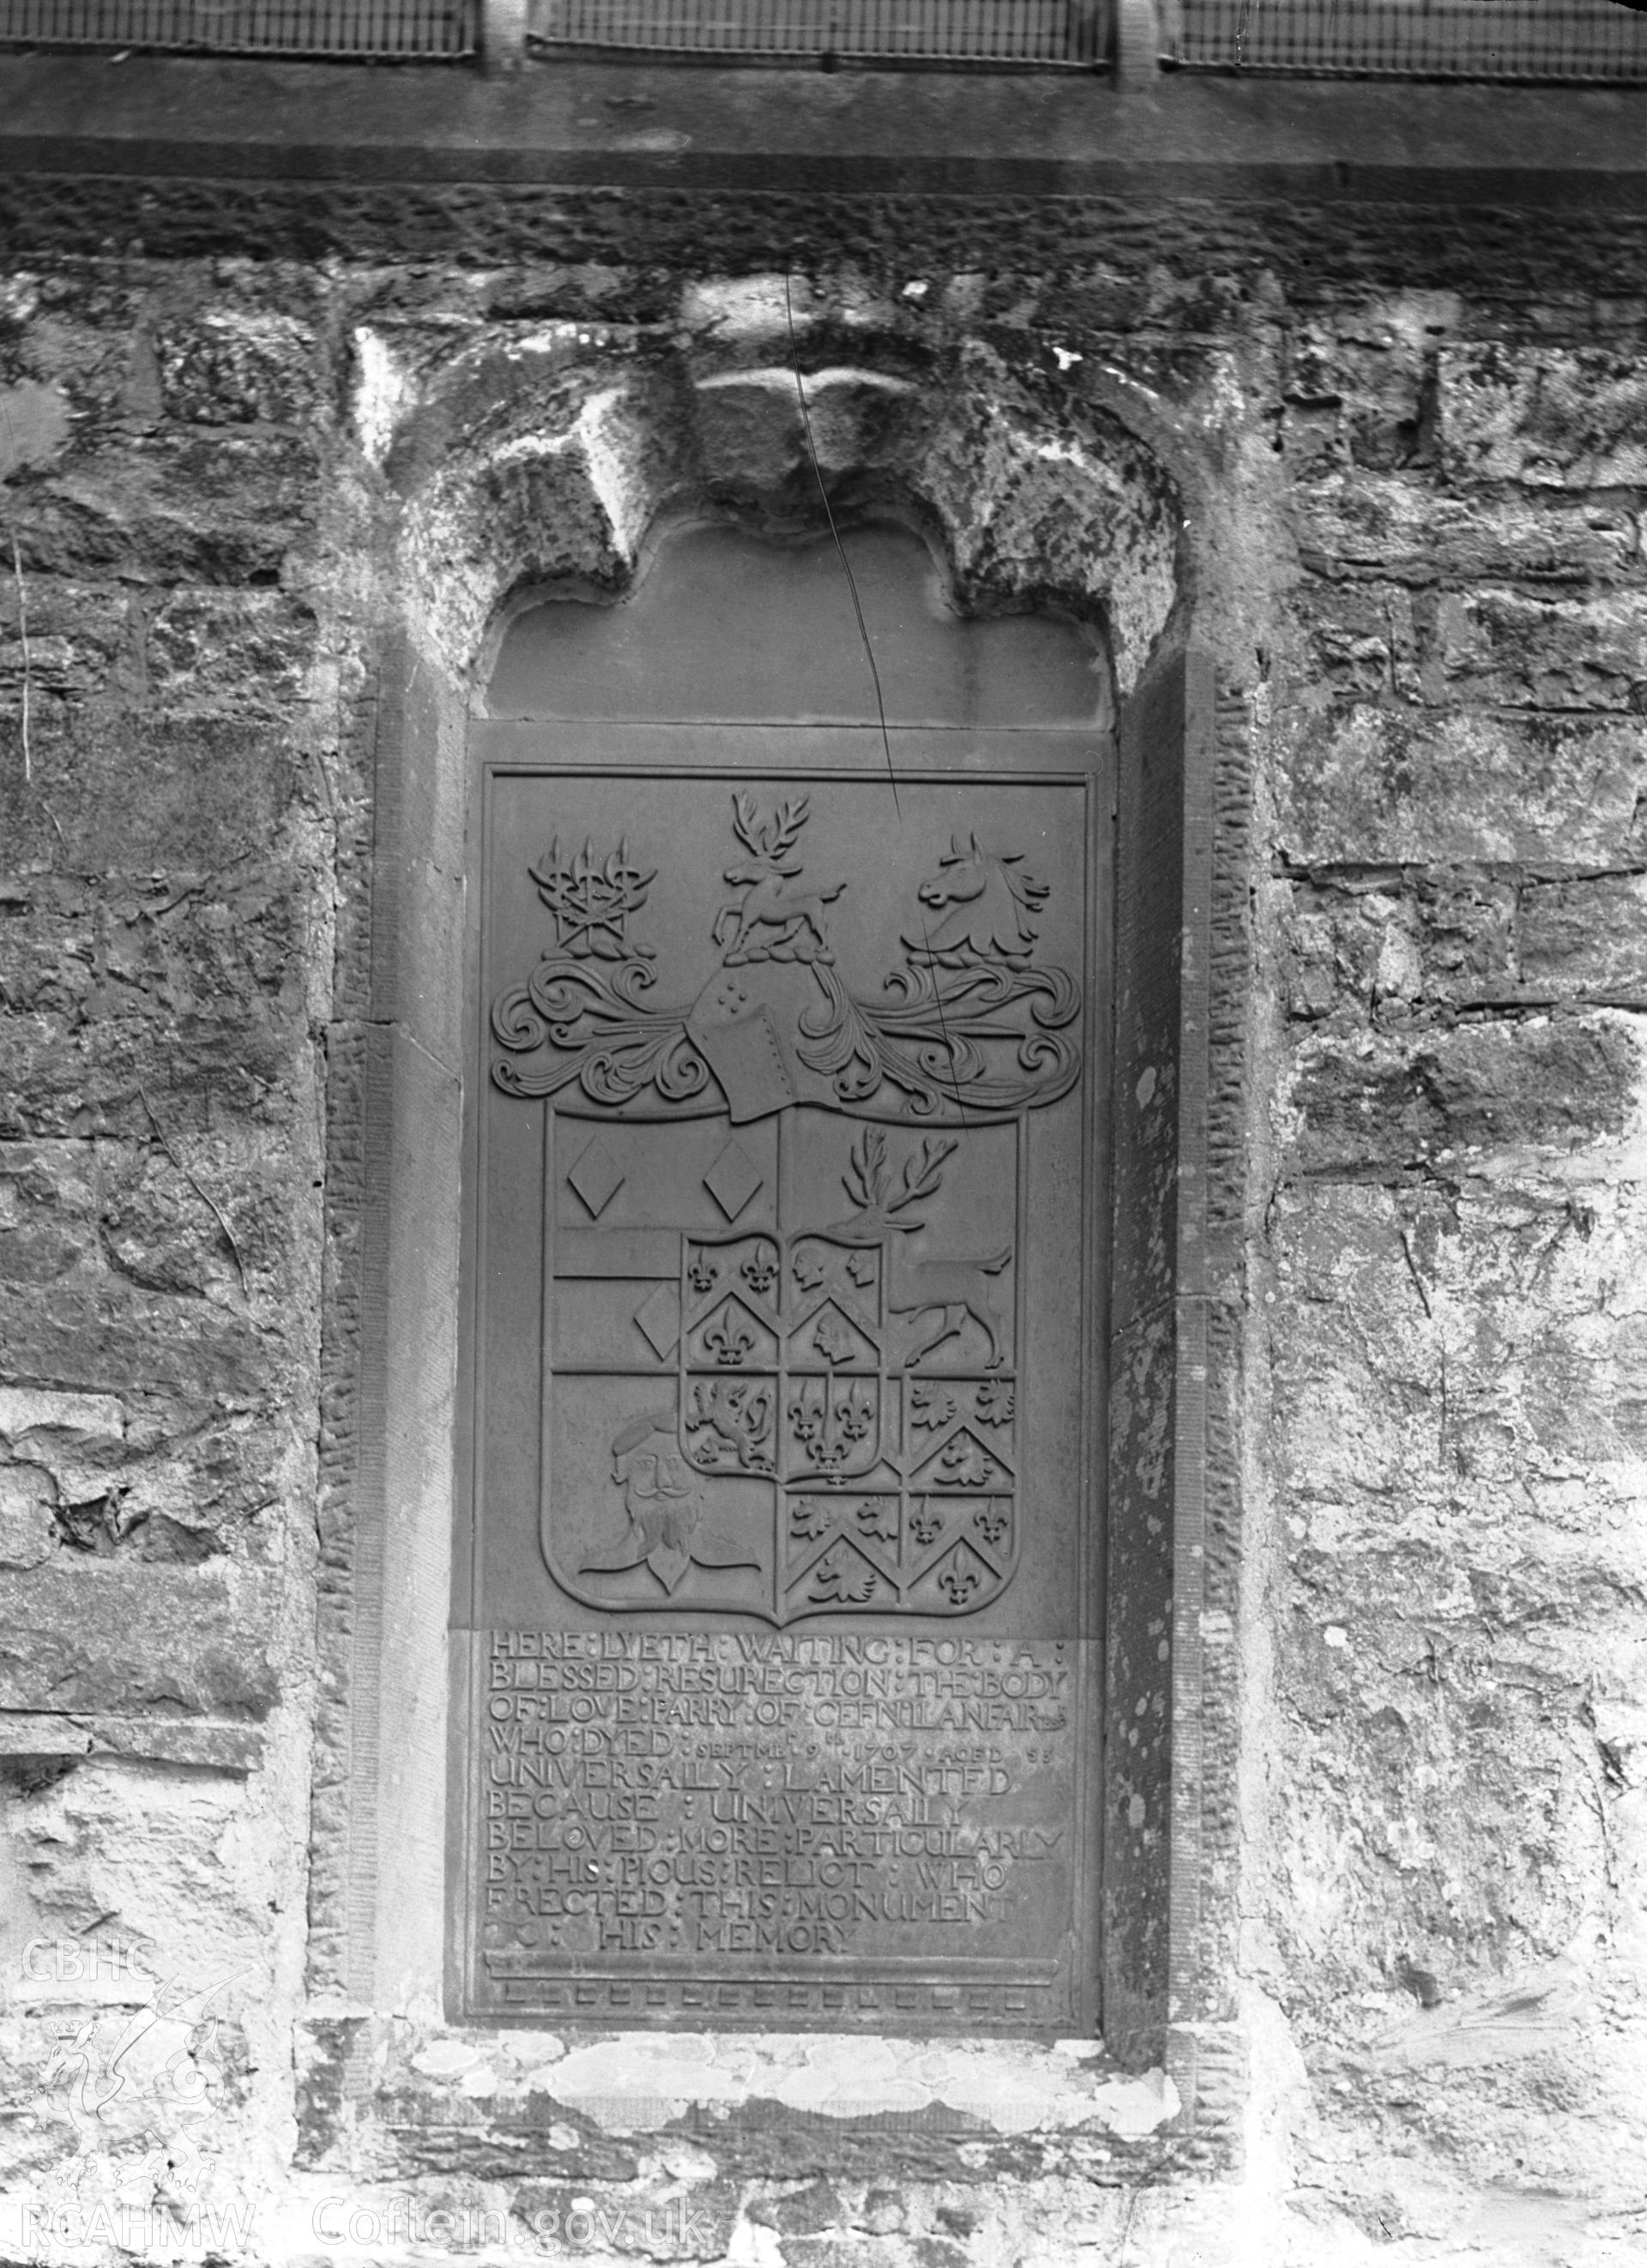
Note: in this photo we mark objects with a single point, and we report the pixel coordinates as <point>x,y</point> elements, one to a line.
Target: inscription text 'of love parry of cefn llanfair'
<point>785,1706</point>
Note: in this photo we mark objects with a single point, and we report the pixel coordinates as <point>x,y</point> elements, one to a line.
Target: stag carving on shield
<point>934,1297</point>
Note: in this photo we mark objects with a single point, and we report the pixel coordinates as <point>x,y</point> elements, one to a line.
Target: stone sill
<point>623,125</point>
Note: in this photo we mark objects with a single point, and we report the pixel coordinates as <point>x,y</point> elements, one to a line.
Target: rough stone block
<point>98,1332</point>
<point>1585,937</point>
<point>1404,529</point>
<point>46,1737</point>
<point>80,639</point>
<point>234,365</point>
<point>1484,647</point>
<point>33,1415</point>
<point>1383,787</point>
<point>90,1635</point>
<point>27,1497</point>
<point>806,2211</point>
<point>433,2131</point>
<point>112,1075</point>
<point>1476,1087</point>
<point>47,1210</point>
<point>1499,647</point>
<point>1358,390</point>
<point>1544,416</point>
<point>183,507</point>
<point>1100,299</point>
<point>158,1229</point>
<point>139,794</point>
<point>1455,1328</point>
<point>34,422</point>
<point>1355,630</point>
<point>937,2252</point>
<point>845,2251</point>
<point>1465,934</point>
<point>1421,943</point>
<point>240,651</point>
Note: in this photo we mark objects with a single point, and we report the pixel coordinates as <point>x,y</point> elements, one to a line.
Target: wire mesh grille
<point>1572,40</point>
<point>1036,32</point>
<point>409,28</point>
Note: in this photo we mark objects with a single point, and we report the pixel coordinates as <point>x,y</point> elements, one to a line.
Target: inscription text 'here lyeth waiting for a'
<point>784,1331</point>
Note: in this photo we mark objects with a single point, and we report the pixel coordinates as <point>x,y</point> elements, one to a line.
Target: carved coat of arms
<point>790,1253</point>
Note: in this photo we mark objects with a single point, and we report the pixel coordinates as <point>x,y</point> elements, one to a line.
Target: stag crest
<point>773,920</point>
<point>881,1202</point>
<point>769,840</point>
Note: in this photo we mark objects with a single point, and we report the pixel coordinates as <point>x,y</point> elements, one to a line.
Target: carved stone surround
<point>544,462</point>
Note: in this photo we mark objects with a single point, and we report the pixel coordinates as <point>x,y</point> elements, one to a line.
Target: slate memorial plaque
<point>784,1702</point>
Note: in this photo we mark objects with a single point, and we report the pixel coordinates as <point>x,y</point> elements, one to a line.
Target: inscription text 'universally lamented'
<point>784,1541</point>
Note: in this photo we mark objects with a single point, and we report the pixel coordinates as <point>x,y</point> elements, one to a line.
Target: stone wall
<point>1417,542</point>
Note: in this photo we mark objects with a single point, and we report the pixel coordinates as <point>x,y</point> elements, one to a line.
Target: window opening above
<point>1042,33</point>
<point>1573,41</point>
<point>410,30</point>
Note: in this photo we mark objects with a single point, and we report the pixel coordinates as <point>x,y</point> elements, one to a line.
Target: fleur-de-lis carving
<point>760,1271</point>
<point>924,1523</point>
<point>826,1427</point>
<point>990,1520</point>
<point>856,1413</point>
<point>703,1275</point>
<point>959,1580</point>
<point>729,1338</point>
<point>807,1416</point>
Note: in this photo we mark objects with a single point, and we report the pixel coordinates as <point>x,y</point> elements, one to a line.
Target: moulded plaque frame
<point>979,1993</point>
<point>390,1327</point>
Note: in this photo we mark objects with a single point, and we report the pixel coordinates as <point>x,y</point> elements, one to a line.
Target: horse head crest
<point>992,907</point>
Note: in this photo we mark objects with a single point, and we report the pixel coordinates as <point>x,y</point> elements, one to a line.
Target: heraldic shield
<point>789,1217</point>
